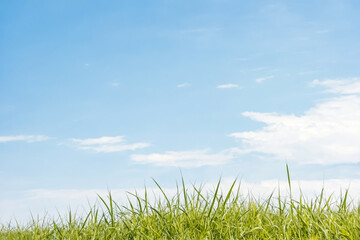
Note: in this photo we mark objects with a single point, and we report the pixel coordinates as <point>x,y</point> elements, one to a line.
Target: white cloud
<point>342,86</point>
<point>107,144</point>
<point>26,138</point>
<point>261,79</point>
<point>229,85</point>
<point>116,147</point>
<point>196,158</point>
<point>101,140</point>
<point>328,133</point>
<point>183,85</point>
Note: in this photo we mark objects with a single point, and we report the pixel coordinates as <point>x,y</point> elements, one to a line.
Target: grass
<point>194,214</point>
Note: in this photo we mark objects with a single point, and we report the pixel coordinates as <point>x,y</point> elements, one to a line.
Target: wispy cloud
<point>99,141</point>
<point>201,30</point>
<point>257,69</point>
<point>182,85</point>
<point>199,34</point>
<point>229,85</point>
<point>261,79</point>
<point>307,72</point>
<point>324,31</point>
<point>342,86</point>
<point>116,147</point>
<point>114,84</point>
<point>195,158</point>
<point>107,144</point>
<point>242,59</point>
<point>25,138</point>
<point>327,133</point>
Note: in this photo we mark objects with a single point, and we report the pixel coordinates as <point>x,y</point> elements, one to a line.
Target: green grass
<point>195,214</point>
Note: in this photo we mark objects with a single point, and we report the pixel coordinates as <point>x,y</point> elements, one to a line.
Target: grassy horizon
<point>193,214</point>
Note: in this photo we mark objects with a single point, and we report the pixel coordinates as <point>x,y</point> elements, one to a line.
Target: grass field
<point>195,214</point>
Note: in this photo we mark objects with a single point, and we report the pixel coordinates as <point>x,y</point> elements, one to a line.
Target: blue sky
<point>108,95</point>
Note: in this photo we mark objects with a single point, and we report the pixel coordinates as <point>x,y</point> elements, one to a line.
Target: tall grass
<point>194,214</point>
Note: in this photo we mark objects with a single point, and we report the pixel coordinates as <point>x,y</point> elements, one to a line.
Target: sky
<point>97,96</point>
